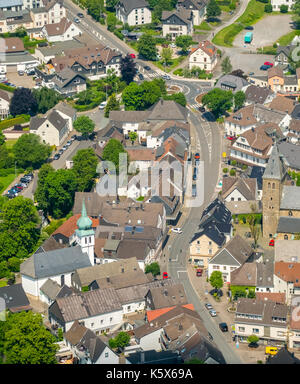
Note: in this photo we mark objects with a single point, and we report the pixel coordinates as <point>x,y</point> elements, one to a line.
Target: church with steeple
<point>280,201</point>
<point>85,235</point>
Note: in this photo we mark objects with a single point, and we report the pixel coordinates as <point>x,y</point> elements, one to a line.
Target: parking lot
<point>250,62</point>
<point>24,81</point>
<point>266,31</point>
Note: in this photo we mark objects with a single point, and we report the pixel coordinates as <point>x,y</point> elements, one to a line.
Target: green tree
<point>19,228</point>
<point>120,341</point>
<point>226,65</point>
<point>232,172</point>
<point>268,8</point>
<point>2,138</point>
<point>284,8</point>
<point>112,151</point>
<point>253,226</point>
<point>153,268</point>
<point>111,4</point>
<point>216,279</point>
<point>253,339</point>
<point>147,47</point>
<point>27,341</point>
<point>218,101</point>
<point>84,125</point>
<point>46,98</point>
<point>14,264</point>
<point>57,193</point>
<point>112,105</point>
<point>60,334</point>
<point>166,55</point>
<point>140,97</point>
<point>23,102</point>
<point>40,191</point>
<point>133,136</point>
<point>111,21</point>
<point>178,97</point>
<point>128,69</point>
<point>6,161</point>
<point>84,169</point>
<point>212,10</point>
<point>29,151</point>
<point>95,8</point>
<point>184,42</point>
<point>239,99</point>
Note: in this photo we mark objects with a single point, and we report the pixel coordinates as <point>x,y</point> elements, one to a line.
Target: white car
<point>102,105</point>
<point>176,230</point>
<point>213,313</point>
<point>173,45</point>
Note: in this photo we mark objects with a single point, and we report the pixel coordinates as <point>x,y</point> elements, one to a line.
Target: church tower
<point>85,234</point>
<point>273,178</point>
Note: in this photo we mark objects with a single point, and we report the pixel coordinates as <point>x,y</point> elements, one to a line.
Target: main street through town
<point>206,138</point>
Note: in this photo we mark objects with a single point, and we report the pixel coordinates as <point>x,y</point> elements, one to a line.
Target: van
<point>271,350</point>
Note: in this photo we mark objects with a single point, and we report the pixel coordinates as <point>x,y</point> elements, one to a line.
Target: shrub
<point>233,162</point>
<point>225,170</point>
<point>268,8</point>
<point>284,8</point>
<point>232,172</point>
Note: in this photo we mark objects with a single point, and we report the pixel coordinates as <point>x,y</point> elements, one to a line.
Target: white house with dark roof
<point>62,31</point>
<point>234,254</point>
<point>133,12</point>
<point>4,104</point>
<point>177,23</point>
<point>198,7</point>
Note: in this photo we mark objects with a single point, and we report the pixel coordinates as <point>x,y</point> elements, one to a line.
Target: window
<point>106,354</point>
<point>255,330</point>
<point>111,319</point>
<point>128,307</point>
<point>210,251</point>
<point>241,329</point>
<point>101,322</point>
<point>209,243</point>
<point>92,324</point>
<point>273,186</point>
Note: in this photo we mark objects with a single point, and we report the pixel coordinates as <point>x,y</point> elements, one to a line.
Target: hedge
<point>12,122</point>
<point>242,288</point>
<point>7,87</point>
<point>244,218</point>
<point>9,171</point>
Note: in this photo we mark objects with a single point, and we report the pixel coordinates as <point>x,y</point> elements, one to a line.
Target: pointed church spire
<point>275,168</point>
<point>84,222</point>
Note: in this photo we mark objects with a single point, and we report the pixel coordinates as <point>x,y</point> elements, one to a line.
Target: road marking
<point>180,272</point>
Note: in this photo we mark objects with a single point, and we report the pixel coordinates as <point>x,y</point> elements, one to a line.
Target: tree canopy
<point>111,152</point>
<point>120,341</point>
<point>84,169</point>
<point>112,105</point>
<point>212,10</point>
<point>19,228</point>
<point>128,69</point>
<point>46,98</point>
<point>184,42</point>
<point>25,340</point>
<point>216,279</point>
<point>84,125</point>
<point>29,151</point>
<point>140,97</point>
<point>239,99</point>
<point>218,101</point>
<point>23,102</point>
<point>153,268</point>
<point>147,47</point>
<point>226,65</point>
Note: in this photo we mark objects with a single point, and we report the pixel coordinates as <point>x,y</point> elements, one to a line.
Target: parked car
<point>251,73</point>
<point>132,55</point>
<point>76,20</point>
<point>24,180</point>
<point>197,156</point>
<point>173,45</point>
<point>202,109</point>
<point>264,67</point>
<point>141,76</point>
<point>74,137</point>
<point>230,137</point>
<point>271,350</point>
<point>249,28</point>
<point>81,15</point>
<point>147,68</point>
<point>194,190</point>
<point>199,272</point>
<point>253,345</point>
<point>102,105</point>
<point>217,291</point>
<point>166,77</point>
<point>19,186</point>
<point>21,73</point>
<point>176,230</point>
<point>56,157</point>
<point>271,243</point>
<point>61,151</point>
<point>223,327</point>
<point>165,275</point>
<point>213,313</point>
<point>268,63</point>
<point>208,306</point>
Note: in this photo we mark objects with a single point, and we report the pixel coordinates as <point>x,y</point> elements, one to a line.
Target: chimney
<point>107,279</point>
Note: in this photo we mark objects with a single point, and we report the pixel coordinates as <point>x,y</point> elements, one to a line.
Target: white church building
<point>58,265</point>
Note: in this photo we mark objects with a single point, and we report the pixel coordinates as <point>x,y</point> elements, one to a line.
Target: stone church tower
<point>273,179</point>
<point>85,235</point>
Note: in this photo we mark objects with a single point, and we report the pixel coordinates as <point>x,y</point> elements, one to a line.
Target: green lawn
<point>3,283</point>
<point>286,39</point>
<point>173,63</point>
<point>204,26</point>
<point>5,181</point>
<point>253,12</point>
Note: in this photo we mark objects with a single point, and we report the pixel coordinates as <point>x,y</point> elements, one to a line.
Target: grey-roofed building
<point>15,298</point>
<point>178,22</point>
<point>154,357</point>
<point>44,54</point>
<point>87,347</point>
<point>288,225</point>
<point>296,112</point>
<point>258,95</point>
<point>133,12</point>
<point>50,290</point>
<point>275,168</point>
<point>234,254</point>
<point>11,5</point>
<point>291,155</point>
<point>67,82</point>
<point>290,198</point>
<point>283,356</point>
<point>57,265</point>
<point>231,83</point>
<point>163,297</point>
<point>287,251</point>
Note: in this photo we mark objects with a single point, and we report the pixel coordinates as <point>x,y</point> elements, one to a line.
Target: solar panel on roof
<point>139,229</point>
<point>128,228</point>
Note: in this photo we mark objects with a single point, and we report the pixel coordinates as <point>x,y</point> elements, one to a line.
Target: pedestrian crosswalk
<point>195,106</point>
<point>153,75</point>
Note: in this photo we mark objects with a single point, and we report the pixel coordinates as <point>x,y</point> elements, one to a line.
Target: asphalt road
<point>209,144</point>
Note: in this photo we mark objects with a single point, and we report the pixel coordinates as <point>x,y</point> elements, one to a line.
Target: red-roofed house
<point>204,56</point>
<point>271,296</point>
<point>152,315</point>
<point>65,234</point>
<point>287,279</point>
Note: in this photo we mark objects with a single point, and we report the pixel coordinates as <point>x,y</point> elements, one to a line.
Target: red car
<point>268,63</point>
<point>132,55</point>
<point>272,243</point>
<point>230,137</point>
<point>165,275</point>
<point>199,272</point>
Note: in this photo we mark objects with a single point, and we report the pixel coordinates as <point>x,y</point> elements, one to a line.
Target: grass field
<point>3,283</point>
<point>204,26</point>
<point>253,13</point>
<point>286,39</point>
<point>5,181</point>
<point>173,63</point>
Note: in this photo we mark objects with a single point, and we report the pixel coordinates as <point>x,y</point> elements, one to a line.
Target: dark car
<point>223,327</point>
<point>24,180</point>
<point>56,157</point>
<point>253,345</point>
<point>217,291</point>
<point>141,77</point>
<point>202,109</point>
<point>249,28</point>
<point>264,67</point>
<point>147,68</point>
<point>81,15</point>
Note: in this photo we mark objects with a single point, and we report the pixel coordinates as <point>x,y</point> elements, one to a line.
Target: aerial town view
<point>149,184</point>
